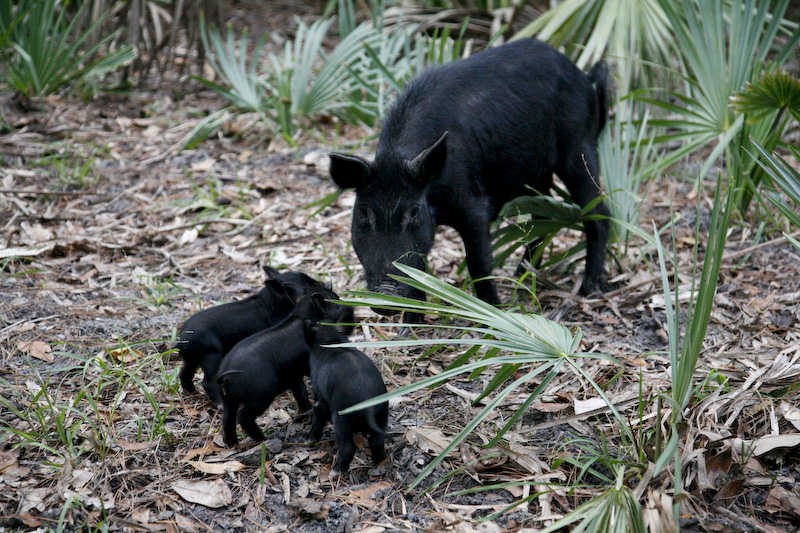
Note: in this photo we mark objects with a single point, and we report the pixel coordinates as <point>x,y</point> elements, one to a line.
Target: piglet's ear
<point>318,301</point>
<point>310,332</point>
<point>428,164</point>
<point>349,171</point>
<point>270,272</point>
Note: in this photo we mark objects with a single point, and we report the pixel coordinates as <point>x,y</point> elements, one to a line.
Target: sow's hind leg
<point>473,227</point>
<point>581,176</point>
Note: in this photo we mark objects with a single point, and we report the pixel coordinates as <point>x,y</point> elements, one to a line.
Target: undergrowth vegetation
<point>355,81</point>
<point>51,49</point>
<point>704,79</point>
<point>72,424</point>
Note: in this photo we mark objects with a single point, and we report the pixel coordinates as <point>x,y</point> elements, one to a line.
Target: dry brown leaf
<point>549,407</point>
<point>203,166</point>
<point>10,470</point>
<point>526,457</point>
<point>212,494</point>
<point>141,515</point>
<point>371,529</point>
<point>80,478</point>
<point>19,251</point>
<point>657,513</point>
<point>759,481</point>
<point>151,132</point>
<point>427,439</point>
<point>202,450</point>
<point>126,354</point>
<point>584,406</point>
<point>791,413</point>
<point>187,524</point>
<point>366,497</point>
<point>313,508</point>
<point>90,498</point>
<point>731,489</point>
<point>718,465</point>
<point>317,455</point>
<point>130,446</point>
<point>35,233</point>
<point>515,490</point>
<point>27,519</point>
<point>216,468</point>
<point>238,257</point>
<point>286,487</point>
<point>26,326</point>
<point>8,458</point>
<point>34,499</point>
<point>780,500</point>
<point>38,349</point>
<point>772,442</point>
<point>188,236</point>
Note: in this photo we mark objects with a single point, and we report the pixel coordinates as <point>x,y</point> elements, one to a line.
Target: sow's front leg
<point>474,230</point>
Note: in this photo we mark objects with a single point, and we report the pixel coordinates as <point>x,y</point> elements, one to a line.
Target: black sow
<point>461,141</point>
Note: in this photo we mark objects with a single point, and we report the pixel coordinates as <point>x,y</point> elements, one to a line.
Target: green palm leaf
<point>634,33</point>
<point>513,342</point>
<point>773,92</point>
<point>50,54</point>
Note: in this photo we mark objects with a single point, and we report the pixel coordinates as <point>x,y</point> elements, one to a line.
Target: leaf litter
<point>96,279</point>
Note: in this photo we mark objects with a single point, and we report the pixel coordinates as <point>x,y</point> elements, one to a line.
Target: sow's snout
<point>394,288</point>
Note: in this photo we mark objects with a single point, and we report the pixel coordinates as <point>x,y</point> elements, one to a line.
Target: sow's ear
<point>428,164</point>
<point>348,171</point>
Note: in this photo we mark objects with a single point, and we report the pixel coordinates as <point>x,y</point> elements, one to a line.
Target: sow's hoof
<point>593,287</point>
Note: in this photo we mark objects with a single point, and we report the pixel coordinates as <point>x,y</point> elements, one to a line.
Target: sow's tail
<point>598,76</point>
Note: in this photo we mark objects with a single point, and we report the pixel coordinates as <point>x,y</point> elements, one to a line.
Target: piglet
<point>208,335</point>
<point>269,362</point>
<point>341,378</point>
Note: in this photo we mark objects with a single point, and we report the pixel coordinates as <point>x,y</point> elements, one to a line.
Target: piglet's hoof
<point>302,415</point>
<point>230,442</point>
<point>379,470</point>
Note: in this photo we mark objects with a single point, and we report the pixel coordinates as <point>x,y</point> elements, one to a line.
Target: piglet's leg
<point>229,422</point>
<point>376,447</point>
<point>247,419</point>
<point>210,366</point>
<point>319,418</point>
<point>187,372</point>
<point>346,447</point>
<point>301,395</point>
